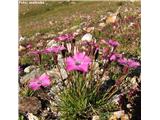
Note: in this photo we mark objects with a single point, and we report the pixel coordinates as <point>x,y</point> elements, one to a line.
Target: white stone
<point>102,25</point>
<point>87,37</point>
<point>95,117</point>
<point>29,68</point>
<point>51,43</point>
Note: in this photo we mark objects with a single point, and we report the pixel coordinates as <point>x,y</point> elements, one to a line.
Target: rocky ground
<point>39,25</point>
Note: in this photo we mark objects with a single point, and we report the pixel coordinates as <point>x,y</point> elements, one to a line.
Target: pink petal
<point>83,67</point>
<point>34,85</point>
<point>45,81</point>
<point>70,64</point>
<point>79,56</point>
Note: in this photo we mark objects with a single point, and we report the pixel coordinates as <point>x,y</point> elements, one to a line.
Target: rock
<point>63,73</point>
<point>21,48</point>
<point>102,25</point>
<point>133,81</point>
<point>40,44</point>
<point>23,40</point>
<point>87,37</point>
<point>54,73</point>
<point>69,47</point>
<point>119,115</point>
<point>29,104</point>
<point>52,43</point>
<point>111,19</point>
<point>60,33</point>
<point>29,68</point>
<point>95,117</point>
<point>129,106</point>
<point>37,34</point>
<point>88,29</point>
<point>31,116</point>
<point>50,22</point>
<point>60,60</point>
<point>30,76</point>
<point>103,18</point>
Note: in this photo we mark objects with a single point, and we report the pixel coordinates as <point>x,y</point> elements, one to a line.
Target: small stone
<point>118,114</point>
<point>95,117</point>
<point>37,34</point>
<point>88,29</point>
<point>102,25</point>
<point>52,43</point>
<point>87,37</point>
<point>133,81</point>
<point>60,33</point>
<point>29,104</point>
<point>103,18</point>
<point>111,19</point>
<point>31,116</point>
<point>40,44</point>
<point>30,76</point>
<point>21,48</point>
<point>129,106</point>
<point>54,73</point>
<point>63,73</point>
<point>51,22</point>
<point>29,68</point>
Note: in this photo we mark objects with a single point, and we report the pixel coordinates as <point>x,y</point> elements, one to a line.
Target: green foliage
<point>81,101</point>
<point>26,92</point>
<point>26,60</point>
<point>21,117</point>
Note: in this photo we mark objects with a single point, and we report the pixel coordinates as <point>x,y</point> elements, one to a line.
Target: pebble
<point>102,25</point>
<point>29,69</point>
<point>87,37</point>
<point>95,117</point>
<point>30,76</point>
<point>52,43</point>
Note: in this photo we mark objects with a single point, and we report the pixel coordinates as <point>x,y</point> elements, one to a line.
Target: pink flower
<point>45,80</point>
<point>41,81</point>
<point>34,84</point>
<point>65,37</point>
<point>129,62</point>
<point>122,61</point>
<point>78,62</point>
<point>133,63</point>
<point>29,46</point>
<point>55,49</point>
<point>113,43</point>
<point>115,56</point>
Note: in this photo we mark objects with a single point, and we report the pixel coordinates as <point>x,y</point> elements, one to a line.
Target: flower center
<point>77,63</point>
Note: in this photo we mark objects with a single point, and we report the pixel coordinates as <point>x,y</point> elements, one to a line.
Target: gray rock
<point>29,69</point>
<point>52,43</point>
<point>102,25</point>
<point>95,117</point>
<point>87,37</point>
<point>30,76</point>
